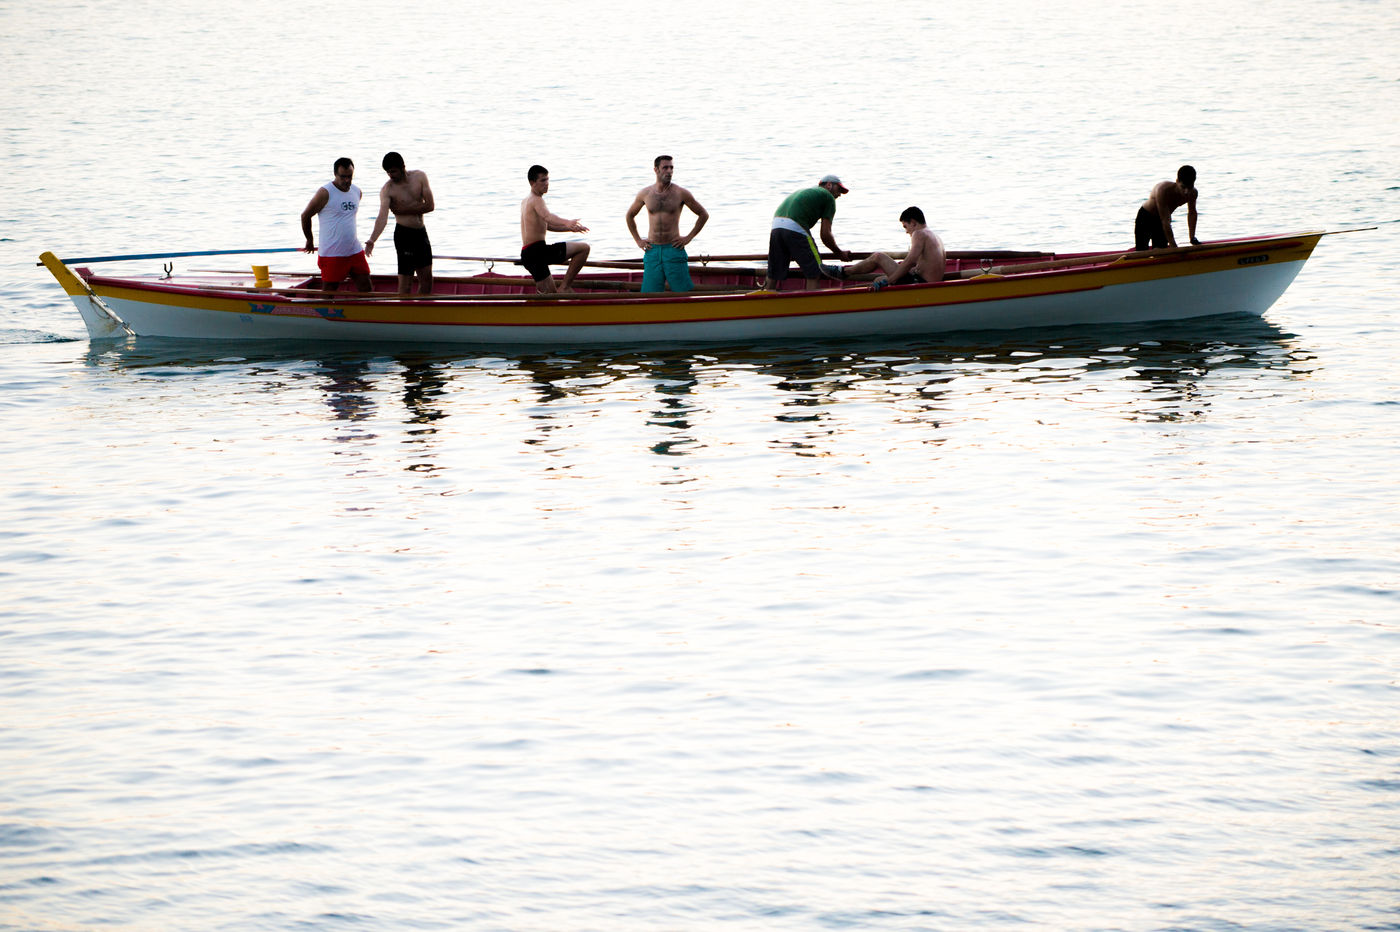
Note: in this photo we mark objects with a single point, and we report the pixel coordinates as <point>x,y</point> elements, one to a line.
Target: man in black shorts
<point>407,194</point>
<point>1153,227</point>
<point>925,262</point>
<point>537,255</point>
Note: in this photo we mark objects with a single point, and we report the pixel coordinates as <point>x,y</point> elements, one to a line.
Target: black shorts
<point>785,246</point>
<point>539,256</point>
<point>910,278</point>
<point>1147,230</point>
<point>415,252</point>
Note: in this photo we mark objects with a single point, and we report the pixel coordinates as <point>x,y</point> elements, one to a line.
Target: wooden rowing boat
<point>990,290</point>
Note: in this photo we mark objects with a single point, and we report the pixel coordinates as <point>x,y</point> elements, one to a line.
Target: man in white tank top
<point>337,203</point>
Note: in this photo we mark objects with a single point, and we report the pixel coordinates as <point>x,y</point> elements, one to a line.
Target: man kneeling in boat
<point>925,262</point>
<point>336,204</point>
<point>1153,227</point>
<point>407,194</point>
<point>664,259</point>
<point>790,239</point>
<point>536,255</point>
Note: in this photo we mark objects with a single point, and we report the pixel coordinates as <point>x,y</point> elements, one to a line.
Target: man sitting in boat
<point>925,262</point>
<point>664,259</point>
<point>536,255</point>
<point>1153,228</point>
<point>336,204</point>
<point>790,238</point>
<point>408,195</point>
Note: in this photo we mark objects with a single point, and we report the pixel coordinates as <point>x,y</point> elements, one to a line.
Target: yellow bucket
<point>260,277</point>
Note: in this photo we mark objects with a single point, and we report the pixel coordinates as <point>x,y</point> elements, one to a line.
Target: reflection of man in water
<point>1153,228</point>
<point>349,393</point>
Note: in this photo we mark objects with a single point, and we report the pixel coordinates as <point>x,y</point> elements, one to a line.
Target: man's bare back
<point>926,256</point>
<point>1166,197</point>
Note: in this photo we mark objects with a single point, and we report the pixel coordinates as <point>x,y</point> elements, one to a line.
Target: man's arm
<point>911,259</point>
<point>701,216</point>
<point>557,224</point>
<point>426,205</point>
<point>632,212</point>
<point>830,240</point>
<point>1166,219</point>
<point>313,207</point>
<point>553,222</point>
<point>379,221</point>
<point>1191,218</point>
<point>918,245</point>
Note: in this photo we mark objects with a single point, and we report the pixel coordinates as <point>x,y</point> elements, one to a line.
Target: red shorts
<point>335,269</point>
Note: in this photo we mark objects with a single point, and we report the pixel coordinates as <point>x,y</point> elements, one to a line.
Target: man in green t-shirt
<point>790,239</point>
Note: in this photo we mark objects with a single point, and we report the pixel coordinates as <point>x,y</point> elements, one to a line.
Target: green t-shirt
<point>808,206</point>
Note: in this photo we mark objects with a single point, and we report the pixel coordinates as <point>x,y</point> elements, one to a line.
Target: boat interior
<point>725,278</point>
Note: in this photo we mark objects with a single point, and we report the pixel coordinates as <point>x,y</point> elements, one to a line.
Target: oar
<point>1094,259</point>
<point>177,255</point>
<point>497,260</point>
<point>702,259</point>
<point>384,296</point>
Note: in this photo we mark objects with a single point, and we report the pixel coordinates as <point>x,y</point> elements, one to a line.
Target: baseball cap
<point>832,179</point>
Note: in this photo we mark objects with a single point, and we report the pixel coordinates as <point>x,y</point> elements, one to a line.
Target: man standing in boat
<point>407,194</point>
<point>337,203</point>
<point>664,259</point>
<point>1153,228</point>
<point>790,238</point>
<point>926,260</point>
<point>536,255</point>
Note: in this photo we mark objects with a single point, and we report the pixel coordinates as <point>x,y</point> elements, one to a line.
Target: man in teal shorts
<point>664,259</point>
<point>790,239</point>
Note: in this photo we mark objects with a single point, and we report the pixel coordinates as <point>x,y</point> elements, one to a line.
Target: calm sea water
<point>1078,629</point>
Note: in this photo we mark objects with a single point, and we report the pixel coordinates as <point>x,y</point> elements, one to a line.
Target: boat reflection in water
<point>680,401</point>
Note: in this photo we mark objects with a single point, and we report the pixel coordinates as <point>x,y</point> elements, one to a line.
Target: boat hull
<point>1245,278</point>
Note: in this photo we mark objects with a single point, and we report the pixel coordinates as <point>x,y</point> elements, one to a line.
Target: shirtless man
<point>664,259</point>
<point>926,261</point>
<point>336,205</point>
<point>535,254</point>
<point>407,194</point>
<point>1153,228</point>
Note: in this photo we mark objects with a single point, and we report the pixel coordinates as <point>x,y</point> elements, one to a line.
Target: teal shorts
<point>662,264</point>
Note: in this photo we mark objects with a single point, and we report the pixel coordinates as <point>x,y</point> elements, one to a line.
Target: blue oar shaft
<point>177,255</point>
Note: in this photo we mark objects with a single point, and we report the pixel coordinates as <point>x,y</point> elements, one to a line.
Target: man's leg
<point>653,271</point>
<point>876,260</point>
<point>578,254</point>
<point>677,265</point>
<point>778,260</point>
